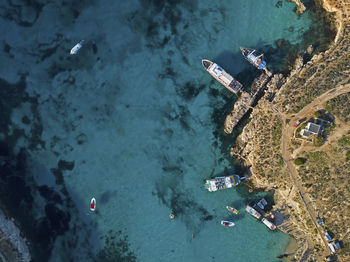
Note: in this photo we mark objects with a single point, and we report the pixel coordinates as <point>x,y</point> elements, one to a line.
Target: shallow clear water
<point>142,121</point>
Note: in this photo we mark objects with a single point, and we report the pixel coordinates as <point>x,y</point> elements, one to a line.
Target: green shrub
<point>348,155</point>
<point>340,107</point>
<point>318,114</point>
<point>330,129</point>
<point>299,161</point>
<point>318,140</point>
<point>344,141</point>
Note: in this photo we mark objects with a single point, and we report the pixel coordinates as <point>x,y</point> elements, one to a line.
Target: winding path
<point>287,134</point>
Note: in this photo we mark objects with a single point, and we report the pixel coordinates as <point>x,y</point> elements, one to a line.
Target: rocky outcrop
<point>300,7</point>
<point>247,99</point>
<point>244,103</point>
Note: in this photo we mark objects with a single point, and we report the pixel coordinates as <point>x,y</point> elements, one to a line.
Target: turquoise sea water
<point>135,121</point>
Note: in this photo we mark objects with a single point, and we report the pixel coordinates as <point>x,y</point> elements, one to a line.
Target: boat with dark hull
<point>254,58</point>
<point>222,76</point>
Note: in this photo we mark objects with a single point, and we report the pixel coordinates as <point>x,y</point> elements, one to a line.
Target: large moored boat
<point>223,182</point>
<point>253,212</point>
<point>253,58</point>
<point>222,76</point>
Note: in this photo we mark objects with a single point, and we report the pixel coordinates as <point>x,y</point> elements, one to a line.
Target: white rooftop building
<point>310,129</point>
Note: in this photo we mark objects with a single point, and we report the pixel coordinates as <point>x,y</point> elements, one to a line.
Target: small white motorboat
<point>93,204</point>
<point>76,48</point>
<point>253,212</point>
<point>227,223</point>
<point>268,224</point>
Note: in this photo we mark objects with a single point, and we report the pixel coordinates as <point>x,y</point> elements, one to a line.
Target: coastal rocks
<point>240,108</point>
<point>273,85</point>
<point>244,103</point>
<point>298,65</point>
<point>310,49</point>
<point>12,246</point>
<point>300,8</point>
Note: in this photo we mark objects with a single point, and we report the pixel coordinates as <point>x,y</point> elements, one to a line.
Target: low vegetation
<point>268,161</point>
<point>299,161</point>
<point>318,140</point>
<point>340,107</point>
<point>326,175</point>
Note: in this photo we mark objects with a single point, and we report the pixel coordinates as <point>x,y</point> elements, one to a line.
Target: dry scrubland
<point>325,175</point>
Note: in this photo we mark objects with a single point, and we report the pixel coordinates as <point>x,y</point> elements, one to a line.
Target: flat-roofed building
<point>310,129</point>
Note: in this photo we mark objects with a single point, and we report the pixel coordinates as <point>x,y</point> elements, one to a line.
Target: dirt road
<point>287,134</point>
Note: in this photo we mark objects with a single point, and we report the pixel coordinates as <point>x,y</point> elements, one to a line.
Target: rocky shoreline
<point>12,246</point>
<point>258,149</point>
<point>245,102</point>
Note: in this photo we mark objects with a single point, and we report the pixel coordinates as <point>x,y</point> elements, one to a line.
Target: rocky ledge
<point>244,103</point>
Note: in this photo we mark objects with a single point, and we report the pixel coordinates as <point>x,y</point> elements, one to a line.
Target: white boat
<point>227,223</point>
<point>223,182</point>
<point>222,76</point>
<point>268,224</point>
<point>93,204</point>
<point>254,59</point>
<point>232,210</point>
<point>253,212</point>
<point>76,48</point>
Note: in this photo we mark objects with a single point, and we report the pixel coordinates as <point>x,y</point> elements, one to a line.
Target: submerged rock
<point>12,246</point>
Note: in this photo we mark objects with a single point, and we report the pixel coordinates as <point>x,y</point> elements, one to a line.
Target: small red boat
<point>227,223</point>
<point>93,204</point>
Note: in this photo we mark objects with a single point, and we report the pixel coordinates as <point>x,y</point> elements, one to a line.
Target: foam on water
<point>134,112</point>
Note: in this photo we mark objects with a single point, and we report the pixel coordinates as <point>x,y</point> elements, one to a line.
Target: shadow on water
<point>181,203</point>
<point>232,62</point>
<point>238,204</point>
<point>226,172</point>
<point>234,218</point>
